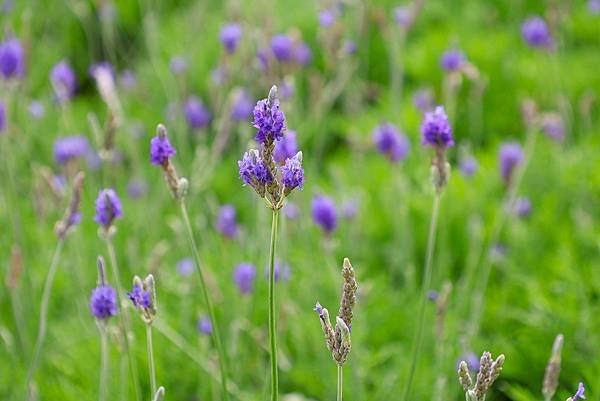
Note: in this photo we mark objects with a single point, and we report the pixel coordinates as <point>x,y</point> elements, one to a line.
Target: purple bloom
<point>36,109</point>
<point>262,57</point>
<point>137,188</point>
<point>536,33</point>
<point>403,16</point>
<point>205,326</point>
<point>579,395</point>
<point>292,173</point>
<point>178,65</point>
<point>282,47</point>
<point>453,60</point>
<point>63,80</point>
<point>433,295</point>
<point>510,156</point>
<point>471,359</point>
<point>423,100</point>
<point>161,150</point>
<point>349,47</point>
<point>226,222</point>
<point>12,59</point>
<point>287,89</point>
<point>553,126</point>
<point>128,79</point>
<point>303,54</point>
<point>185,266</point>
<point>103,302</point>
<point>108,207</point>
<point>278,272</point>
<point>324,213</point>
<point>70,147</point>
<point>218,75</point>
<point>522,207</point>
<point>242,106</point>
<point>139,297</point>
<point>196,115</point>
<point>350,209</point>
<point>390,142</point>
<point>230,36</point>
<point>243,276</point>
<point>319,309</point>
<point>286,148</point>
<point>594,6</point>
<point>436,129</point>
<point>468,166</point>
<point>269,120</point>
<point>291,211</point>
<point>2,118</point>
<point>327,18</point>
<point>262,173</point>
<point>247,166</point>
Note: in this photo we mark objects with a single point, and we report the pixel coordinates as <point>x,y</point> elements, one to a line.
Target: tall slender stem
<point>207,301</point>
<point>272,324</point>
<point>151,358</point>
<point>103,363</point>
<point>340,385</point>
<point>44,312</point>
<point>425,287</point>
<point>124,317</point>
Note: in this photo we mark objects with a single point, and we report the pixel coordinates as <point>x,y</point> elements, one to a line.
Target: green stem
<point>207,301</point>
<point>272,324</point>
<point>124,317</point>
<point>425,287</point>
<point>151,359</point>
<point>44,312</point>
<point>103,363</point>
<point>340,386</point>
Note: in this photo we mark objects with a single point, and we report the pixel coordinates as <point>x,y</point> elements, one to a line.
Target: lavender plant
<point>489,370</point>
<point>338,340</point>
<point>273,183</point>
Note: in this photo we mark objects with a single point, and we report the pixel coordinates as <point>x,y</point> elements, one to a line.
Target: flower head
<point>185,266</point>
<point>510,157</point>
<point>178,65</point>
<point>403,16</point>
<point>205,326</point>
<point>390,142</point>
<point>291,211</point>
<point>324,213</point>
<point>279,272</point>
<point>242,106</point>
<point>453,60</point>
<point>143,297</point>
<point>226,222</point>
<point>292,173</point>
<point>468,166</point>
<point>536,33</point>
<point>230,36</point>
<point>139,297</point>
<point>303,54</point>
<point>63,80</point>
<point>522,207</point>
<point>423,100</point>
<point>327,18</point>
<point>70,147</point>
<point>196,114</point>
<point>161,150</point>
<point>318,308</point>
<point>137,188</point>
<point>286,148</point>
<point>282,47</point>
<point>243,276</point>
<point>36,109</point>
<point>12,59</point>
<point>594,6</point>
<point>103,302</point>
<point>108,207</point>
<point>269,120</point>
<point>436,129</point>
<point>350,208</point>
<point>553,126</point>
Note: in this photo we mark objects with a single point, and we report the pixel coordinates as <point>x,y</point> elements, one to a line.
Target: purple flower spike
<point>594,6</point>
<point>269,120</point>
<point>230,36</point>
<point>185,266</point>
<point>291,211</point>
<point>137,188</point>
<point>178,65</point>
<point>37,109</point>
<point>161,150</point>
<point>324,213</point>
<point>242,106</point>
<point>522,207</point>
<point>303,54</point>
<point>282,47</point>
<point>103,302</point>
<point>205,326</point>
<point>553,126</point>
<point>63,80</point>
<point>453,60</point>
<point>139,297</point>
<point>510,157</point>
<point>423,100</point>
<point>108,207</point>
<point>196,114</point>
<point>350,208</point>
<point>286,148</point>
<point>436,129</point>
<point>226,222</point>
<point>390,142</point>
<point>69,148</point>
<point>292,173</point>
<point>243,276</point>
<point>403,16</point>
<point>579,395</point>
<point>468,166</point>
<point>247,166</point>
<point>2,118</point>
<point>12,59</point>
<point>349,47</point>
<point>536,33</point>
<point>327,18</point>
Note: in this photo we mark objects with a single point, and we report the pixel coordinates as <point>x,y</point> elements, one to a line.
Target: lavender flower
<point>292,173</point>
<point>536,33</point>
<point>139,297</point>
<point>226,222</point>
<point>196,114</point>
<point>403,16</point>
<point>436,129</point>
<point>282,47</point>
<point>161,150</point>
<point>185,266</point>
<point>423,100</point>
<point>269,120</point>
<point>390,142</point>
<point>143,297</point>
<point>318,308</point>
<point>279,273</point>
<point>303,54</point>
<point>349,47</point>
<point>468,166</point>
<point>2,118</point>
<point>242,106</point>
<point>230,36</point>
<point>36,109</point>
<point>63,80</point>
<point>205,326</point>
<point>579,395</point>
<point>327,18</point>
<point>471,359</point>
<point>522,207</point>
<point>137,188</point>
<point>324,213</point>
<point>291,211</point>
<point>453,60</point>
<point>594,6</point>
<point>553,126</point>
<point>128,80</point>
<point>12,59</point>
<point>70,147</point>
<point>510,156</point>
<point>103,302</point>
<point>286,148</point>
<point>350,208</point>
<point>243,276</point>
<point>108,208</point>
<point>262,58</point>
<point>178,65</point>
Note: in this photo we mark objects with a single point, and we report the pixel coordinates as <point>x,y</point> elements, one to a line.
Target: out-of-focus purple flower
<point>553,126</point>
<point>291,211</point>
<point>433,295</point>
<point>63,80</point>
<point>349,47</point>
<point>579,395</point>
<point>286,148</point>
<point>178,65</point>
<point>324,213</point>
<point>108,207</point>
<point>510,156</point>
<point>205,326</point>
<point>226,221</point>
<point>453,60</point>
<point>37,109</point>
<point>102,68</point>
<point>423,100</point>
<point>12,59</point>
<point>185,266</point>
<point>390,142</point>
<point>243,276</point>
<point>60,181</point>
<point>161,150</point>
<point>327,18</point>
<point>242,106</point>
<point>282,47</point>
<point>7,6</point>
<point>468,166</point>
<point>196,114</point>
<point>403,16</point>
<point>139,297</point>
<point>269,120</point>
<point>303,54</point>
<point>279,273</point>
<point>594,6</point>
<point>2,118</point>
<point>536,33</point>
<point>471,359</point>
<point>70,147</point>
<point>436,129</point>
<point>287,89</point>
<point>137,188</point>
<point>128,80</point>
<point>350,208</point>
<point>230,36</point>
<point>497,252</point>
<point>93,160</point>
<point>262,57</point>
<point>522,207</point>
<point>103,302</point>
<point>218,75</point>
<point>292,173</point>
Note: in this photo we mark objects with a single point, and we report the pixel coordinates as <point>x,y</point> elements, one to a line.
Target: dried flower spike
<point>72,215</point>
<point>489,370</point>
<point>553,369</point>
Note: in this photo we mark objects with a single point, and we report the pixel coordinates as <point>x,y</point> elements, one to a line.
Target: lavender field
<point>299,200</point>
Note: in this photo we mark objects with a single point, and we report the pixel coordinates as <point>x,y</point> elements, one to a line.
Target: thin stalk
<point>207,301</point>
<point>103,363</point>
<point>340,386</point>
<point>272,324</point>
<point>124,317</point>
<point>44,311</point>
<point>425,287</point>
<point>151,358</point>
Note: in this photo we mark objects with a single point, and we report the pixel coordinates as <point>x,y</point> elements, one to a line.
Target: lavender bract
<point>436,129</point>
<point>226,221</point>
<point>230,36</point>
<point>196,114</point>
<point>390,142</point>
<point>536,33</point>
<point>70,147</point>
<point>453,60</point>
<point>12,59</point>
<point>282,47</point>
<point>324,213</point>
<point>108,207</point>
<point>243,276</point>
<point>161,150</point>
<point>63,80</point>
<point>510,156</point>
<point>103,302</point>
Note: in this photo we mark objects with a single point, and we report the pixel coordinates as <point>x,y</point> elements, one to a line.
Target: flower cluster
<point>437,133</point>
<point>143,297</point>
<point>269,120</point>
<point>63,80</point>
<point>230,36</point>
<point>103,301</point>
<point>226,221</point>
<point>536,33</point>
<point>489,370</point>
<point>244,275</point>
<point>324,213</point>
<point>390,142</point>
<point>510,157</point>
<point>161,152</point>
<point>108,208</point>
<point>70,147</point>
<point>453,60</point>
<point>12,59</point>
